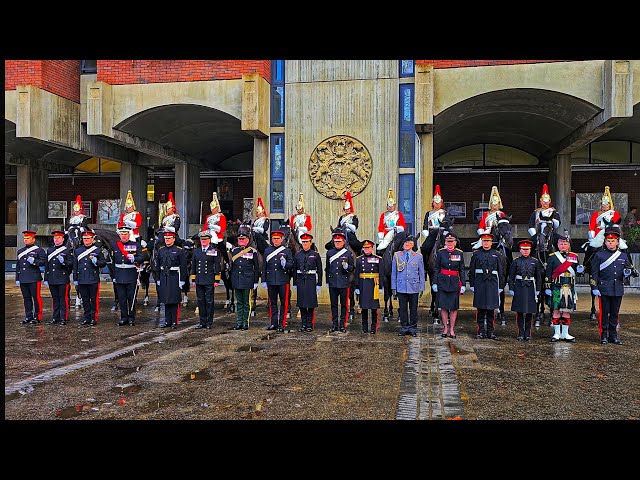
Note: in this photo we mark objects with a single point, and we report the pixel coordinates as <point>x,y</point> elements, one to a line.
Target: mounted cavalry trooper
<point>391,221</point>
<point>127,259</point>
<point>245,272</point>
<point>171,221</point>
<point>433,220</point>
<point>450,282</point>
<point>206,268</point>
<point>215,223</point>
<point>307,281</point>
<point>56,277</point>
<point>28,277</point>
<point>487,275</point>
<point>170,270</point>
<point>491,217</point>
<point>276,265</point>
<point>88,259</point>
<point>560,281</point>
<point>545,215</point>
<point>601,220</point>
<point>78,217</point>
<point>348,222</point>
<point>300,222</point>
<point>609,268</point>
<point>338,267</point>
<point>260,226</point>
<point>525,280</point>
<point>368,291</point>
<point>131,218</point>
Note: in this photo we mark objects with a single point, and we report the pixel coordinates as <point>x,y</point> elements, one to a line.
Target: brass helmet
<point>129,203</point>
<point>606,198</point>
<point>545,197</point>
<point>171,203</point>
<point>348,202</point>
<point>437,196</point>
<point>494,197</point>
<point>77,206</point>
<point>300,204</point>
<point>390,200</point>
<point>260,207</point>
<point>214,203</point>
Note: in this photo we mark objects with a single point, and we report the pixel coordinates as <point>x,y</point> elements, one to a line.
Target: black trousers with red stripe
<point>341,294</point>
<point>60,299</point>
<point>89,294</point>
<point>275,292</point>
<point>365,320</point>
<point>32,300</point>
<point>171,314</point>
<point>308,316</point>
<point>609,308</point>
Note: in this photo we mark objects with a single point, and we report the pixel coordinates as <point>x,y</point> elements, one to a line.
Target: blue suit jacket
<point>411,277</point>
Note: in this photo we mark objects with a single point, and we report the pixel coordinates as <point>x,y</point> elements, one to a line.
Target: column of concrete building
<point>560,188</point>
<point>33,206</point>
<point>187,196</point>
<point>134,178</point>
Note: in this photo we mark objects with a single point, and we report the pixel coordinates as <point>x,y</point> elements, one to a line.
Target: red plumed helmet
<point>348,202</point>
<point>77,206</point>
<point>437,196</point>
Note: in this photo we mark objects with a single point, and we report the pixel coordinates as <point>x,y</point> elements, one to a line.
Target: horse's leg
<point>540,308</point>
<point>387,296</point>
<point>501,316</point>
<point>594,314</point>
<point>254,297</point>
<point>352,302</point>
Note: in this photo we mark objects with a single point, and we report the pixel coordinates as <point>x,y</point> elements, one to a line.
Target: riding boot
<point>565,334</point>
<point>556,333</point>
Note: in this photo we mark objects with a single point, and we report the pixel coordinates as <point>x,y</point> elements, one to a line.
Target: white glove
<point>388,229</point>
<point>345,265</point>
<point>591,234</point>
<point>626,272</point>
<point>532,231</point>
<point>295,288</point>
<point>170,229</point>
<point>537,294</point>
<point>357,291</point>
<point>302,229</point>
<point>113,280</point>
<point>351,227</point>
<point>580,268</point>
<point>380,236</point>
<point>434,287</point>
<point>255,285</point>
<point>157,282</point>
<point>75,282</point>
<point>480,231</point>
<point>31,260</point>
<point>60,258</point>
<point>399,228</point>
<point>511,292</point>
<point>216,228</point>
<point>264,284</point>
<point>82,229</point>
<point>46,283</point>
<point>473,289</point>
<point>17,283</point>
<point>318,287</point>
<point>596,292</point>
<point>547,292</point>
<point>556,223</point>
<point>258,229</point>
<point>143,243</point>
<point>500,290</point>
<point>94,260</point>
<point>283,261</point>
<point>462,289</point>
<point>181,284</point>
<point>425,233</point>
<point>130,223</point>
<point>131,257</point>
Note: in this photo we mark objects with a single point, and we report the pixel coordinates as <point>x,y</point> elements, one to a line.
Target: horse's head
<point>74,236</point>
<point>503,232</point>
<point>545,232</point>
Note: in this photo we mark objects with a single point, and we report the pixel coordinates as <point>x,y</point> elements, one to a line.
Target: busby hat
<point>437,196</point>
<point>129,201</point>
<point>348,202</point>
<point>564,237</point>
<point>214,203</point>
<point>77,206</point>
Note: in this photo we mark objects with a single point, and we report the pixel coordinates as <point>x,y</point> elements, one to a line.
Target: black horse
<point>588,256</point>
<point>544,248</point>
<point>395,245</point>
<point>106,241</point>
<point>429,266</point>
<point>501,232</point>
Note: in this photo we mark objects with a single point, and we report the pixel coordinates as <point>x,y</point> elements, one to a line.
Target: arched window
<point>485,155</point>
<point>98,165</point>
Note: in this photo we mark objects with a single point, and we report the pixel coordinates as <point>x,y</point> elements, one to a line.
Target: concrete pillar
<point>560,188</point>
<point>134,178</point>
<point>187,196</point>
<point>424,184</point>
<point>33,206</point>
<point>261,172</point>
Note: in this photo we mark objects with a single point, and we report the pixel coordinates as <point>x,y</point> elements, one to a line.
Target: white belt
<point>308,272</point>
<point>124,265</point>
<point>171,268</point>
<point>519,277</point>
<point>479,270</point>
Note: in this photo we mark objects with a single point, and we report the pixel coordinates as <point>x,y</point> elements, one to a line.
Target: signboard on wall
<point>587,203</point>
<point>247,209</point>
<point>108,211</point>
<point>456,209</point>
<point>57,209</point>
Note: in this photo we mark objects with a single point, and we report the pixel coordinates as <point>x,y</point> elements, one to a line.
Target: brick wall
<point>242,188</point>
<point>619,182</point>
<point>477,63</point>
<point>90,189</point>
<point>61,77</point>
<point>118,72</point>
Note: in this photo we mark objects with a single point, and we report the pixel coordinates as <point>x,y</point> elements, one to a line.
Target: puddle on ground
<point>196,375</point>
<point>75,410</point>
<point>128,370</point>
<point>126,389</point>
<point>11,396</point>
<point>458,351</point>
<point>249,348</point>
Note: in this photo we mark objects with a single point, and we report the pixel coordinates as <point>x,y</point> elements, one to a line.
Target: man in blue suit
<point>407,284</point>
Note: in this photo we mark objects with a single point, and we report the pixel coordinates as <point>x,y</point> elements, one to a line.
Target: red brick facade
<point>477,63</point>
<point>119,72</point>
<point>61,77</point>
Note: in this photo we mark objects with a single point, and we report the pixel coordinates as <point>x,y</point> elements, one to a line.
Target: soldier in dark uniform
<point>128,257</point>
<point>276,264</point>
<point>28,277</point>
<point>56,277</point>
<point>206,269</point>
<point>609,268</point>
<point>487,275</point>
<point>245,272</point>
<point>307,280</point>
<point>88,259</point>
<point>368,281</point>
<point>433,220</point>
<point>170,270</point>
<point>525,280</point>
<point>560,282</point>
<point>339,265</point>
<point>449,282</point>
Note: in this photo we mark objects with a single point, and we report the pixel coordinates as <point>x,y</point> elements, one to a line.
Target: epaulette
<point>442,248</point>
<point>179,247</point>
<point>163,246</point>
<point>380,257</point>
<point>459,250</point>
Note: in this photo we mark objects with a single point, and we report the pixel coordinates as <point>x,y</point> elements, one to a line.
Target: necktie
<point>406,257</point>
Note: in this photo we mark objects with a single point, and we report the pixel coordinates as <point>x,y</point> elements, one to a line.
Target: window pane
<point>88,66</point>
<point>277,161</point>
<point>635,155</point>
<point>406,68</point>
<point>277,71</point>
<point>406,199</point>
<point>407,149</point>
<point>406,107</point>
<point>277,106</point>
<point>277,196</point>
<point>610,152</point>
<point>580,156</point>
<point>507,156</point>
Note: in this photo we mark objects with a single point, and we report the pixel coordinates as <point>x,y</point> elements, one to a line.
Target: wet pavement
<point>144,372</point>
